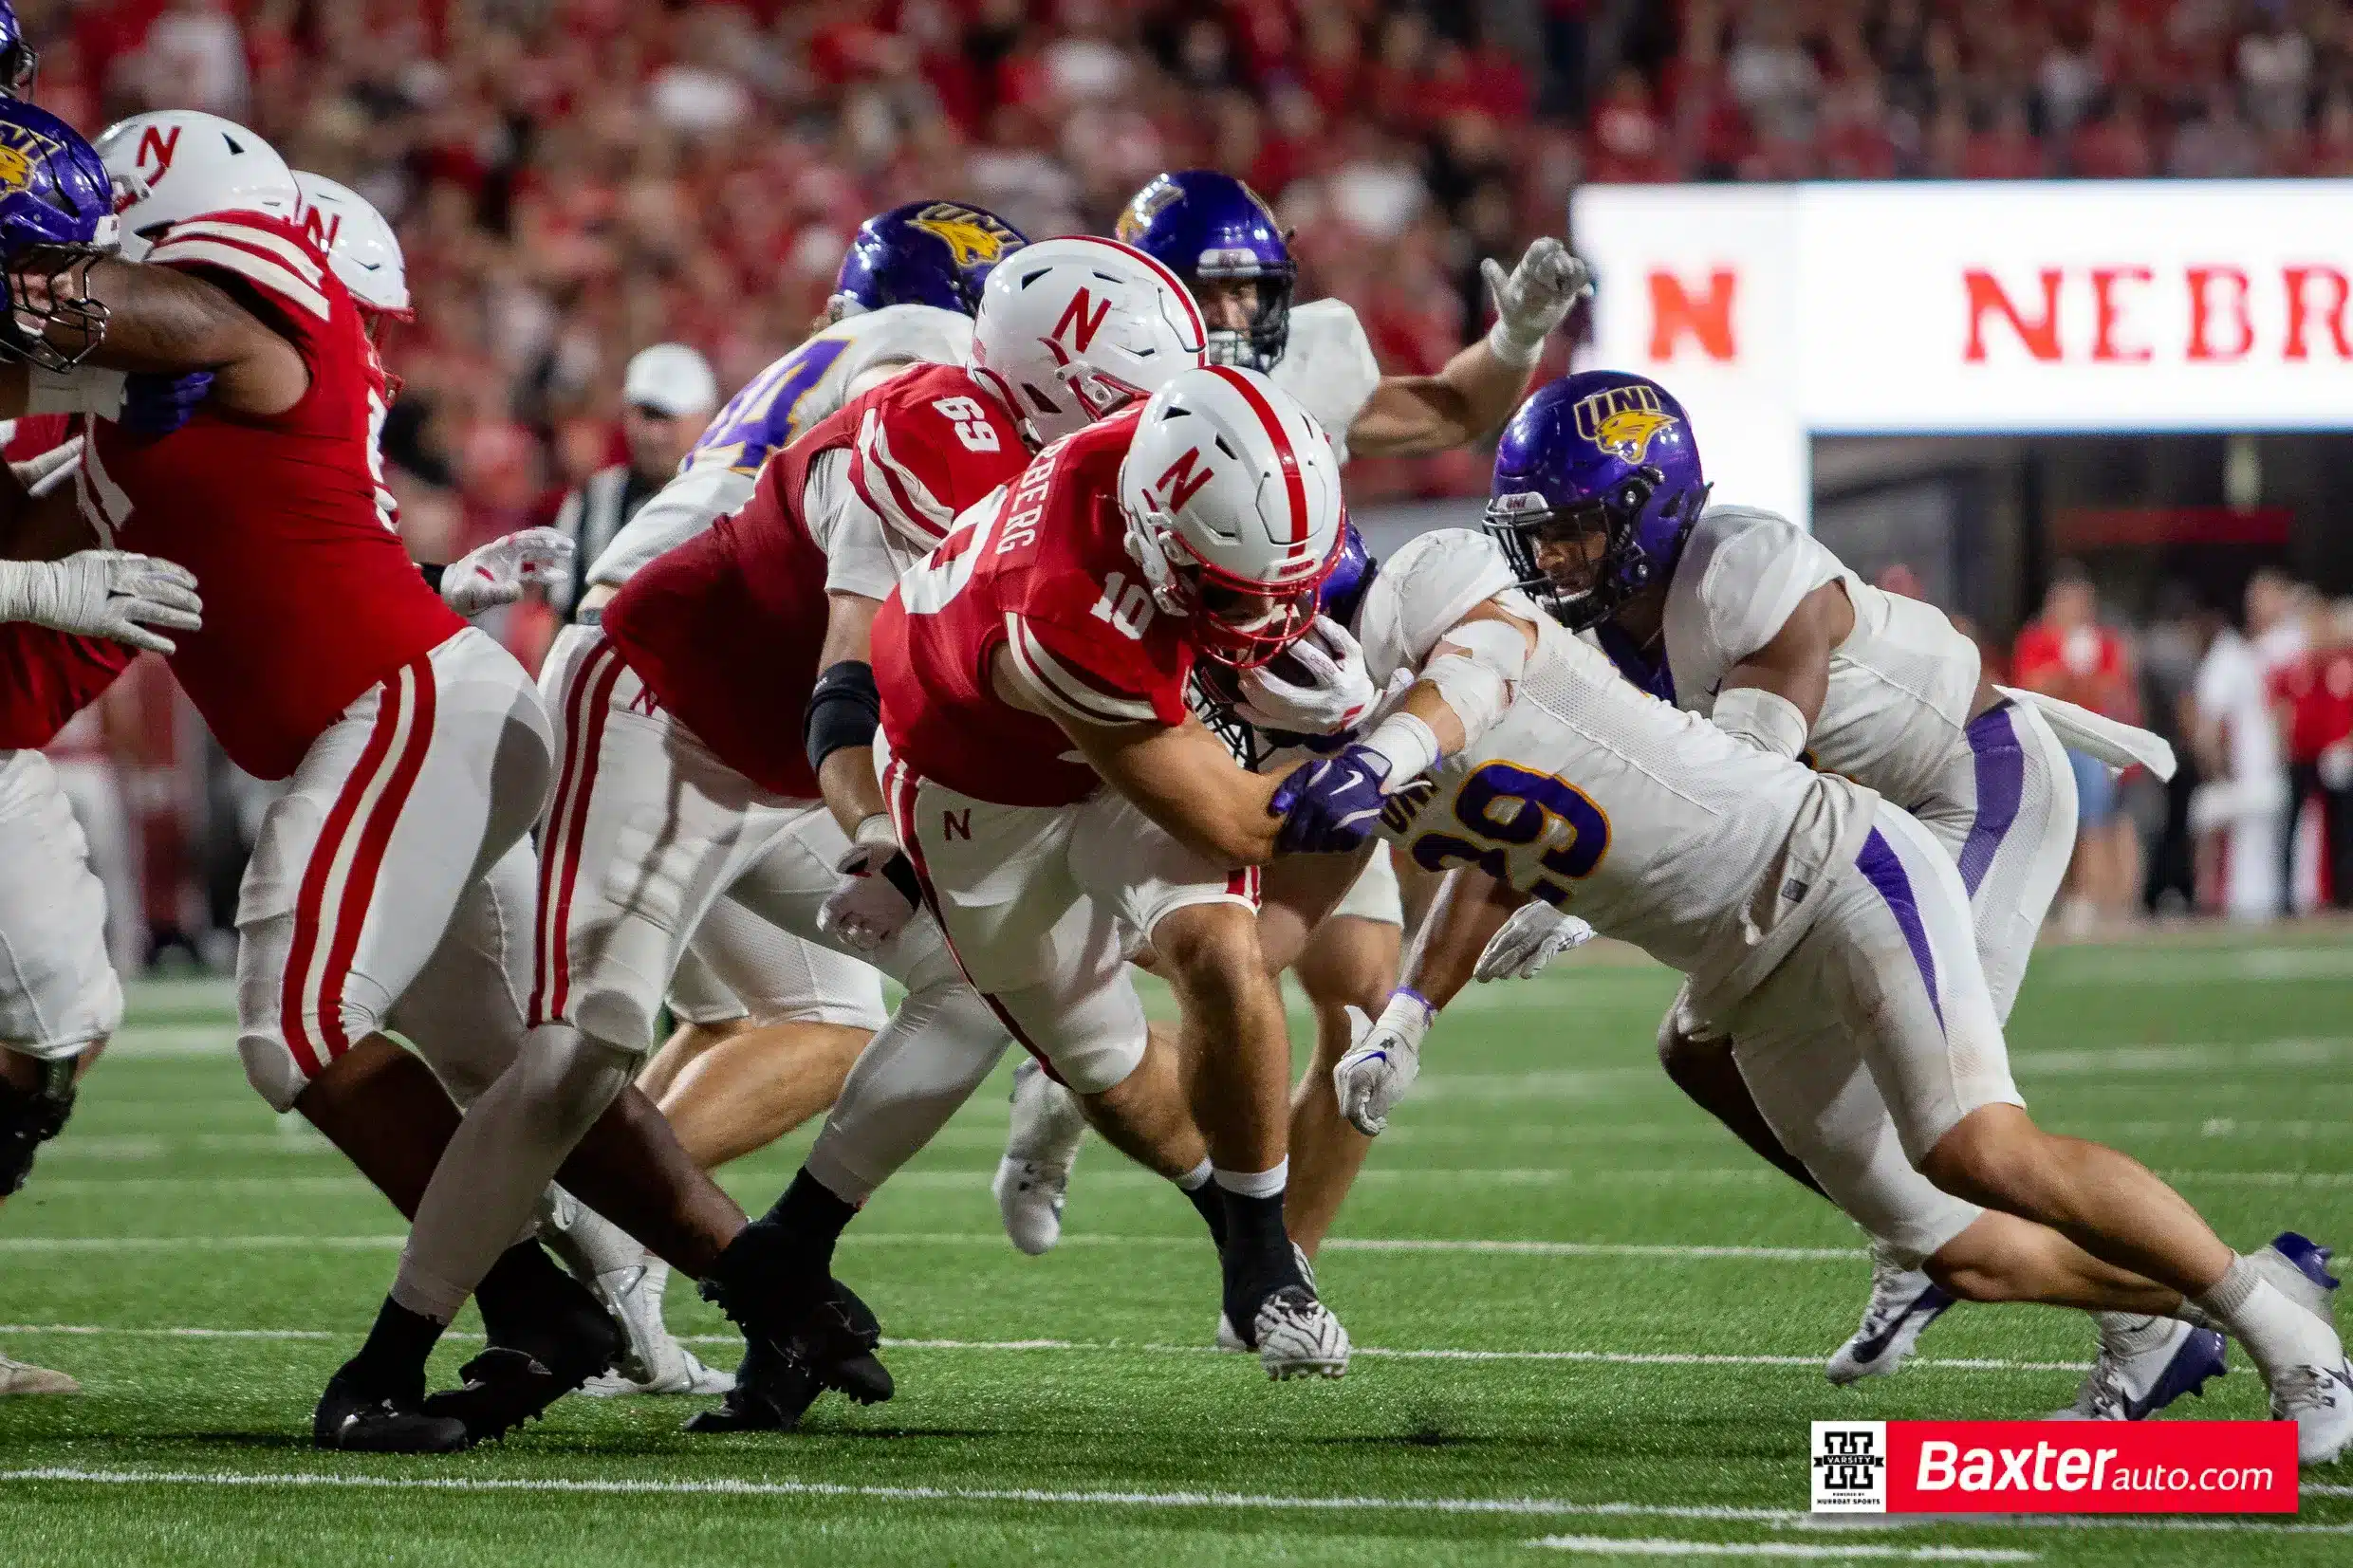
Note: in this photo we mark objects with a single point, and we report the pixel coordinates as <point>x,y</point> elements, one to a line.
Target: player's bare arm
<point>1409,415</point>
<point>1772,698</point>
<point>1185,779</point>
<point>164,319</point>
<point>1470,909</point>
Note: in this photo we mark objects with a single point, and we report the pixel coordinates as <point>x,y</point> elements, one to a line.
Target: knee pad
<point>27,1120</point>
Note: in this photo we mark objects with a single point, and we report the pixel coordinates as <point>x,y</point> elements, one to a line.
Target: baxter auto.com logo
<point>1850,1466</point>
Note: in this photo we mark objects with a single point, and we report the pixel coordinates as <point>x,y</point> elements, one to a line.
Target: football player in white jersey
<point>1738,616</point>
<point>1823,930</point>
<point>1222,239</point>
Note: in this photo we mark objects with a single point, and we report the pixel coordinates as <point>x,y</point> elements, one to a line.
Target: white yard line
<point>1113,1347</point>
<point>1648,1546</point>
<point>1771,1518</point>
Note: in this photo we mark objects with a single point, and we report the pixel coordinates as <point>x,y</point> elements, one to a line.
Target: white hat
<point>670,378</point>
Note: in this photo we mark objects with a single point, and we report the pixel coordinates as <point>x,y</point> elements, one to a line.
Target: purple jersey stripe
<point>2001,781</point>
<point>764,416</point>
<point>1877,861</point>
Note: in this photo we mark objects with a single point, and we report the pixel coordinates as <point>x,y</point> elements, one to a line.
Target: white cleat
<point>1229,1340</point>
<point>1034,1179</point>
<point>2144,1365</point>
<point>653,1361</point>
<point>2320,1401</point>
<point>1297,1337</point>
<point>1903,1302</point>
<point>19,1378</point>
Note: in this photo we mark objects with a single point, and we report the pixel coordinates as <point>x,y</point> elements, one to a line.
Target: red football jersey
<point>725,629</point>
<point>45,676</point>
<point>1044,573</point>
<point>309,595</point>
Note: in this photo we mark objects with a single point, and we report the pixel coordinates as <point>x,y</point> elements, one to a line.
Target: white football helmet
<point>1233,511</point>
<point>179,163</point>
<point>359,245</point>
<point>1070,330</point>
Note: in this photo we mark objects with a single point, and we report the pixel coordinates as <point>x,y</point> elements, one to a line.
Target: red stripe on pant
<point>587,703</point>
<point>367,862</point>
<point>311,899</point>
<point>899,788</point>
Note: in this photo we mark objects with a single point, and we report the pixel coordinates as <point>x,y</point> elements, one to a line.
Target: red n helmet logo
<point>323,228</point>
<point>1077,320</point>
<point>1179,483</point>
<point>156,147</point>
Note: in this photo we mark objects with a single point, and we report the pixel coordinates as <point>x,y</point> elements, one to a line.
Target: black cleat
<point>839,1341</point>
<point>772,1392</point>
<point>531,1364</point>
<point>767,1288</point>
<point>352,1421</point>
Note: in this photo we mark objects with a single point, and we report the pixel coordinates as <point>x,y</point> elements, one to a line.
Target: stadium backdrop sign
<point>1782,312</point>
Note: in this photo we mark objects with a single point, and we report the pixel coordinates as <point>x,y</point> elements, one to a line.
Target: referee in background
<point>668,394</point>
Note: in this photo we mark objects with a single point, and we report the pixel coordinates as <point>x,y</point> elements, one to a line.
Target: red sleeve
<point>1091,667</point>
<point>275,262</point>
<point>930,447</point>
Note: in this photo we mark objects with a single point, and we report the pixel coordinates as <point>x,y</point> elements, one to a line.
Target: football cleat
<point>2299,1266</point>
<point>772,1390</point>
<point>1297,1337</point>
<point>2144,1365</point>
<point>21,1377</point>
<point>653,1361</point>
<point>529,1366</point>
<point>1034,1179</point>
<point>2320,1401</point>
<point>351,1421</point>
<point>781,1378</point>
<point>768,1288</point>
<point>1229,1338</point>
<point>1903,1302</point>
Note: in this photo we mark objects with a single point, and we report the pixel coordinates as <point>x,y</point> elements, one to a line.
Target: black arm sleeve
<point>843,709</point>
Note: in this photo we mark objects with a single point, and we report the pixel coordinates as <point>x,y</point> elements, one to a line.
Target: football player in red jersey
<point>1063,807</point>
<point>415,748</point>
<point>678,785</point>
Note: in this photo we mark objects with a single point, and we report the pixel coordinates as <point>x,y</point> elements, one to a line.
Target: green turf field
<point>1588,1324</point>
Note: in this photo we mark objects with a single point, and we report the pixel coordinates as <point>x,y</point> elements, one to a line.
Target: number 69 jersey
<point>1651,823</point>
<point>1042,570</point>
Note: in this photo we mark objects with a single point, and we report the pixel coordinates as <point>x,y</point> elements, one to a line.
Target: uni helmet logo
<point>1178,484</point>
<point>20,147</point>
<point>1081,317</point>
<point>1623,421</point>
<point>972,238</point>
<point>1150,203</point>
<point>157,147</point>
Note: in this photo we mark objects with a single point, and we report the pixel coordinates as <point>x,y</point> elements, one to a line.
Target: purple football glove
<point>157,404</point>
<point>1332,805</point>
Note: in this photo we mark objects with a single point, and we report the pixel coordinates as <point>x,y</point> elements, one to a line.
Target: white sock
<point>1256,1184</point>
<point>1196,1178</point>
<point>2277,1332</point>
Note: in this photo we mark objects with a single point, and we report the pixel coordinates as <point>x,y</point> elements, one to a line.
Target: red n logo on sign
<point>1078,322</point>
<point>1178,483</point>
<point>1675,311</point>
<point>156,147</point>
<point>955,824</point>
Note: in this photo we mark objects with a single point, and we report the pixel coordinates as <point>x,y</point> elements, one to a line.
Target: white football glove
<point>1533,299</point>
<point>498,572</point>
<point>1385,1058</point>
<point>2336,765</point>
<point>1531,940</point>
<point>1338,691</point>
<point>879,893</point>
<point>109,593</point>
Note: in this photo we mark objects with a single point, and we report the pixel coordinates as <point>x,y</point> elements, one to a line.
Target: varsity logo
<point>1850,1466</point>
<point>324,228</point>
<point>1081,319</point>
<point>1150,203</point>
<point>157,146</point>
<point>1520,504</point>
<point>974,239</point>
<point>1623,421</point>
<point>20,148</point>
<point>1178,483</point>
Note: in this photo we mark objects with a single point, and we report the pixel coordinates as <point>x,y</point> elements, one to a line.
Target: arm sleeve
<point>1422,591</point>
<point>1092,678</point>
<point>1328,365</point>
<point>1755,569</point>
<point>857,559</point>
<point>686,506</point>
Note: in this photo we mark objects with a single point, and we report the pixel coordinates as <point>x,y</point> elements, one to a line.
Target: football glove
<point>1385,1058</point>
<point>1331,805</point>
<point>109,593</point>
<point>1533,299</point>
<point>1529,941</point>
<point>498,572</point>
<point>1336,692</point>
<point>879,893</point>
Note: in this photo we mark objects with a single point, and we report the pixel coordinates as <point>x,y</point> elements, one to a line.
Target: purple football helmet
<point>1352,566</point>
<point>1206,227</point>
<point>57,214</point>
<point>1597,484</point>
<point>17,62</point>
<point>938,253</point>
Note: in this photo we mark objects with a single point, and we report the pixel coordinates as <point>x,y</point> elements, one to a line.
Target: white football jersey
<point>775,406</point>
<point>1651,823</point>
<point>1900,685</point>
<point>1328,365</point>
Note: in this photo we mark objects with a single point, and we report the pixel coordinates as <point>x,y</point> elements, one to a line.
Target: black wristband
<point>843,709</point>
<point>900,869</point>
<point>432,572</point>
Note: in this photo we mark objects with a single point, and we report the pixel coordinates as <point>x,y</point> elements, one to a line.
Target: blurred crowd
<point>2258,823</point>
